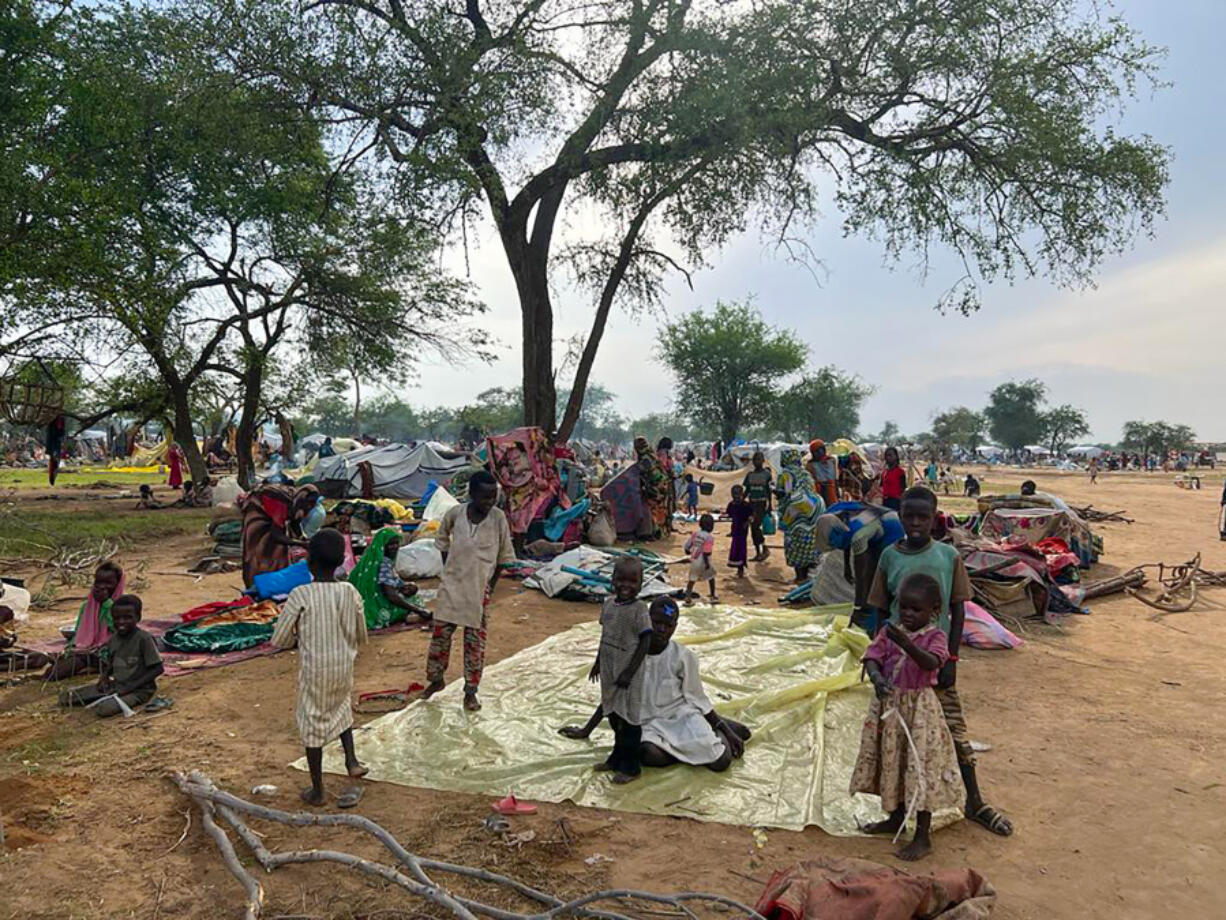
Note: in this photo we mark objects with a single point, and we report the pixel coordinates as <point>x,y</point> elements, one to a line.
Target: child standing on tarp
<point>700,546</point>
<point>625,636</point>
<point>741,512</point>
<point>325,619</point>
<point>906,751</point>
<point>130,665</point>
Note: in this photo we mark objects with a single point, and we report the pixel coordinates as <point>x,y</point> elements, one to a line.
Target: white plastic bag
<point>18,599</point>
<point>439,504</point>
<point>226,491</point>
<point>420,559</point>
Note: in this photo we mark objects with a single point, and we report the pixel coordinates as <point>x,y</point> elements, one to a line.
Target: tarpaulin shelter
<point>524,464</point>
<point>1036,518</point>
<point>623,499</point>
<point>395,470</point>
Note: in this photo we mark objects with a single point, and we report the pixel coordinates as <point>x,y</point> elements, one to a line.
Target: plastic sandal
<point>513,806</point>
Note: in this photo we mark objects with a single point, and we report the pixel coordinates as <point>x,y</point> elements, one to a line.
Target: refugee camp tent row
<point>394,470</point>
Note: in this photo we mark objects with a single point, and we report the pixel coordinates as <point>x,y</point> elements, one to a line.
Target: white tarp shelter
<point>399,471</point>
<point>989,451</point>
<point>1086,450</point>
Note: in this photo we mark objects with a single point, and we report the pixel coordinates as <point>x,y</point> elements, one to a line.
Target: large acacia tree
<point>978,126</point>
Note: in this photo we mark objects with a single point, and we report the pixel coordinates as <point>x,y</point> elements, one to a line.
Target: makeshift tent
<point>308,448</point>
<point>989,451</point>
<point>396,470</point>
<point>526,469</point>
<point>1086,450</point>
<point>1037,450</point>
<point>741,456</point>
<point>623,500</point>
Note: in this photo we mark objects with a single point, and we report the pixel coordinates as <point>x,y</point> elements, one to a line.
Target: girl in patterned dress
<point>325,618</point>
<point>907,754</point>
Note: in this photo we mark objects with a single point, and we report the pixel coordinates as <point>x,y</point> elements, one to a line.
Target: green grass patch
<point>37,479</point>
<point>81,527</point>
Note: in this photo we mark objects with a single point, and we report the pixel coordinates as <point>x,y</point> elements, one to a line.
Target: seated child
<point>971,486</point>
<point>325,619</point>
<point>679,724</point>
<point>93,627</point>
<point>741,512</point>
<point>915,772</point>
<point>130,665</point>
<point>147,501</point>
<point>691,495</point>
<point>14,602</point>
<point>625,634</point>
<point>700,545</point>
<point>395,590</point>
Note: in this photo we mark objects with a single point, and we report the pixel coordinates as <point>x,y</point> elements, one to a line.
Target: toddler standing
<point>325,618</point>
<point>700,546</point>
<point>625,636</point>
<point>741,512</point>
<point>907,753</point>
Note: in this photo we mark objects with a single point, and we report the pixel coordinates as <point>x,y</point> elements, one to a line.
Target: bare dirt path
<point>1107,753</point>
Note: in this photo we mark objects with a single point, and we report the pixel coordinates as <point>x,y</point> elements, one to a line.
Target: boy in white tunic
<point>325,618</point>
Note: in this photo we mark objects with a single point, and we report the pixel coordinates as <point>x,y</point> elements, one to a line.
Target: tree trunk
<point>244,441</point>
<point>185,435</point>
<point>287,437</point>
<point>540,396</point>
<point>357,407</point>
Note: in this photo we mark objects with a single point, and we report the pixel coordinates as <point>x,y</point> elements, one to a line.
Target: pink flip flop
<point>513,806</point>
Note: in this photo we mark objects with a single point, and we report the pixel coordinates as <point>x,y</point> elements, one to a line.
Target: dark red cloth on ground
<point>857,889</point>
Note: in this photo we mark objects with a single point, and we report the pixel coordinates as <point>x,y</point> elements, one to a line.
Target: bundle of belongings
<point>1043,521</point>
<point>1012,578</point>
<point>526,468</point>
<point>586,574</point>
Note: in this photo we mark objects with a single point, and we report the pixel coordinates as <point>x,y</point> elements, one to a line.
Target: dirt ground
<point>1103,754</point>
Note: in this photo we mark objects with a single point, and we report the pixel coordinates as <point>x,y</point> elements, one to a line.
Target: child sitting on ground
<point>906,751</point>
<point>93,626</point>
<point>691,495</point>
<point>395,590</point>
<point>700,546</point>
<point>741,512</point>
<point>131,665</point>
<point>625,635</point>
<point>971,487</point>
<point>325,618</point>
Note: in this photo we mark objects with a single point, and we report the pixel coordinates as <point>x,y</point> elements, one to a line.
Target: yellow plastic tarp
<point>791,676</point>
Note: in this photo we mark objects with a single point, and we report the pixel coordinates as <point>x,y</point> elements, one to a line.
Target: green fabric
<point>104,614</point>
<point>222,637</point>
<point>936,560</point>
<point>378,609</point>
<point>792,676</point>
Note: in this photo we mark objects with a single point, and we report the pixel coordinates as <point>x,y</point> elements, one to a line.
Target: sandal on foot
<point>471,703</point>
<point>993,820</point>
<point>357,770</point>
<point>350,797</point>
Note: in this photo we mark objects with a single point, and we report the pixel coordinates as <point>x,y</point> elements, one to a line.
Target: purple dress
<point>741,514</point>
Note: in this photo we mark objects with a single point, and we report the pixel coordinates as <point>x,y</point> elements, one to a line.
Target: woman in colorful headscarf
<point>654,485</point>
<point>93,627</point>
<point>824,471</point>
<point>272,522</point>
<point>799,508</point>
<point>385,597</point>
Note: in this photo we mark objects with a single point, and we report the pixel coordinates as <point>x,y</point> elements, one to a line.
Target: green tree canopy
<point>959,427</point>
<point>1015,413</point>
<point>1063,425</point>
<point>729,365</point>
<point>984,127</point>
<point>1156,437</point>
<point>823,404</point>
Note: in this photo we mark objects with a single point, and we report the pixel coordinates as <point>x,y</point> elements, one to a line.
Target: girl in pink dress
<point>907,754</point>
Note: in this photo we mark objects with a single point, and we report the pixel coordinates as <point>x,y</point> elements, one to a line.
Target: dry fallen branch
<point>1179,585</point>
<point>415,878</point>
<point>1092,515</point>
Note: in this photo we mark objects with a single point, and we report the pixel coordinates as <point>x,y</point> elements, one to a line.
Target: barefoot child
<point>130,665</point>
<point>325,617</point>
<point>913,770</point>
<point>918,552</point>
<point>893,480</point>
<point>742,513</point>
<point>759,489</point>
<point>691,495</point>
<point>700,546</point>
<point>625,635</point>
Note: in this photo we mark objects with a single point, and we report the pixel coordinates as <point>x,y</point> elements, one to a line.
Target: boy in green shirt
<point>919,553</point>
<point>130,665</point>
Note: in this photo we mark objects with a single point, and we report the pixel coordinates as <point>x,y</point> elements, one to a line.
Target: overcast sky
<point>1147,342</point>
